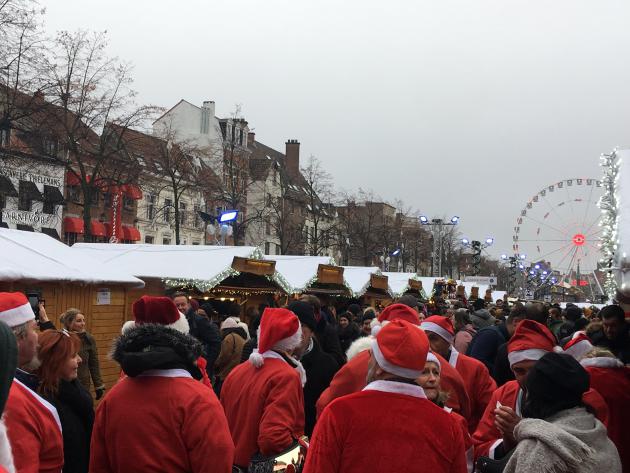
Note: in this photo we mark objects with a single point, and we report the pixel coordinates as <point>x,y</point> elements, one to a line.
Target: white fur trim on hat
<point>181,325</point>
<point>359,345</point>
<point>579,349</point>
<point>533,354</point>
<point>435,328</point>
<point>434,359</point>
<point>286,344</point>
<point>391,368</point>
<point>602,362</point>
<point>18,315</point>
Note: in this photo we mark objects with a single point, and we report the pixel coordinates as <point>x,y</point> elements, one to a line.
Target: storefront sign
<point>25,217</point>
<point>103,297</point>
<point>37,178</point>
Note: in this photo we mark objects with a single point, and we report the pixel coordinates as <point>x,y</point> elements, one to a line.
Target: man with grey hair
<point>33,424</point>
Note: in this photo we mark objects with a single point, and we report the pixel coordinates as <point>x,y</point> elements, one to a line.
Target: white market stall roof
<point>298,271</point>
<point>399,282</point>
<point>358,278</point>
<point>498,295</point>
<point>427,284</point>
<point>469,285</point>
<point>36,257</point>
<point>176,265</point>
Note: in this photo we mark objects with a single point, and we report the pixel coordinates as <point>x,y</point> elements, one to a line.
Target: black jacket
<point>320,369</point>
<point>347,335</point>
<point>76,412</point>
<point>329,341</point>
<point>502,373</point>
<point>485,344</point>
<point>209,335</point>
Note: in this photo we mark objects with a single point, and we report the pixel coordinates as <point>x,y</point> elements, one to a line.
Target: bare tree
<point>229,183</point>
<point>93,107</point>
<point>319,196</point>
<point>284,216</point>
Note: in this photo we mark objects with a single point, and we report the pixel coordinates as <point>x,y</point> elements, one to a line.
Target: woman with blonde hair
<point>58,384</point>
<point>73,320</point>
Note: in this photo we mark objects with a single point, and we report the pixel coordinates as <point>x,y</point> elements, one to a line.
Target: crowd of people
<point>449,387</point>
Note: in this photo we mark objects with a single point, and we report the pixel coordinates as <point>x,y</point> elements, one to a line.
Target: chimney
<point>251,137</point>
<point>293,157</point>
<point>209,105</point>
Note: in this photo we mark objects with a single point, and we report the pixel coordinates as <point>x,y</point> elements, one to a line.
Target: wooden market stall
<point>405,283</point>
<point>368,284</point>
<point>37,264</point>
<point>206,273</point>
<point>317,275</point>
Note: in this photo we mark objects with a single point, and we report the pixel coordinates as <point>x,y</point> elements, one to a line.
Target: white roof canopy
<point>298,271</point>
<point>358,278</point>
<point>36,257</point>
<point>399,282</point>
<point>202,266</point>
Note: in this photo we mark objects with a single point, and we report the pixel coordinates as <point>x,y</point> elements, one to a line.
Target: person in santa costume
<point>8,364</point>
<point>430,382</point>
<point>263,398</point>
<point>351,377</point>
<point>578,346</point>
<point>610,378</point>
<point>32,423</point>
<point>494,436</point>
<point>479,384</point>
<point>389,426</point>
<point>159,417</point>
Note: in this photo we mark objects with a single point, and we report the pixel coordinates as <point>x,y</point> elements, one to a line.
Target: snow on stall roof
<point>37,257</point>
<point>622,194</point>
<point>189,262</point>
<point>469,285</point>
<point>358,278</point>
<point>399,282</point>
<point>427,284</point>
<point>299,271</point>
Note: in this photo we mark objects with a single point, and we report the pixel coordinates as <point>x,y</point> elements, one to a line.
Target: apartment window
<point>24,196</point>
<point>50,147</point>
<point>223,129</point>
<point>74,194</point>
<point>166,241</point>
<point>240,136</point>
<point>107,199</point>
<point>196,219</point>
<point>70,238</point>
<point>267,248</point>
<point>127,203</point>
<point>168,203</point>
<point>150,206</point>
<point>267,227</point>
<point>148,239</point>
<point>278,250</point>
<point>182,214</point>
<point>5,135</point>
<point>195,243</point>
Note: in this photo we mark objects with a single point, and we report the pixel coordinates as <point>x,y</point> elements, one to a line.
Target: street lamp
<point>224,219</point>
<point>436,224</point>
<point>477,246</point>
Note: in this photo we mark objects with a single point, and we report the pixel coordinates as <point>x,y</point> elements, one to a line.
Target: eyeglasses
<point>61,332</point>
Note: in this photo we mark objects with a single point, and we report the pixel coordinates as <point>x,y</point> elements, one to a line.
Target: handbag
<point>490,465</point>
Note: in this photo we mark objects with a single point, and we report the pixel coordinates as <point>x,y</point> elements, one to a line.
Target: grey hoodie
<point>481,318</point>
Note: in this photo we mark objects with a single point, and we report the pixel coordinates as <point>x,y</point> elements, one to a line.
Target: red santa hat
<point>157,310</point>
<point>15,309</point>
<point>279,330</point>
<point>441,326</point>
<point>401,349</point>
<point>394,312</point>
<point>530,342</point>
<point>578,346</point>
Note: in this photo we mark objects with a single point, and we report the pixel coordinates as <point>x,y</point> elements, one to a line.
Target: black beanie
<point>355,309</point>
<point>479,304</point>
<point>304,312</point>
<point>557,378</point>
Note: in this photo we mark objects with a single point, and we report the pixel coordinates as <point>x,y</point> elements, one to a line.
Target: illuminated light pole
<point>477,246</point>
<point>436,225</point>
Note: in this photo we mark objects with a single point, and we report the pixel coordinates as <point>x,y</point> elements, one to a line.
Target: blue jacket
<point>486,343</point>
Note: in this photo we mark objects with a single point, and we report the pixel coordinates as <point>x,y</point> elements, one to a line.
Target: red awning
<point>132,191</point>
<point>73,225</point>
<point>98,228</point>
<point>108,229</point>
<point>72,179</point>
<point>130,233</point>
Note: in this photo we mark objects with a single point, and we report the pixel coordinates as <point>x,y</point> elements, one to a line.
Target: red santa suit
<point>389,426</point>
<point>263,397</point>
<point>530,341</point>
<point>612,380</point>
<point>468,443</point>
<point>477,380</point>
<point>34,431</point>
<point>188,433</point>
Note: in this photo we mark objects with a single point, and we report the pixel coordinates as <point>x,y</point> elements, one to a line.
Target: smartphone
<point>33,300</point>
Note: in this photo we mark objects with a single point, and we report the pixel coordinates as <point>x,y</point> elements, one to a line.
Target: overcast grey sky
<point>462,107</point>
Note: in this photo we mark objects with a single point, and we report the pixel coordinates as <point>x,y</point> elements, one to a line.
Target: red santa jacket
<point>612,381</point>
<point>487,437</point>
<point>264,408</point>
<point>357,434</point>
<point>34,431</point>
<point>164,422</point>
<point>351,378</point>
<point>479,384</point>
<point>468,443</point>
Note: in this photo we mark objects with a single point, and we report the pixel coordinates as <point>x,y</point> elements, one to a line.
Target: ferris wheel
<point>560,225</point>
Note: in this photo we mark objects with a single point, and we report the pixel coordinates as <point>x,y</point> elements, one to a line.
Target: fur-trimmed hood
<point>359,345</point>
<point>152,346</point>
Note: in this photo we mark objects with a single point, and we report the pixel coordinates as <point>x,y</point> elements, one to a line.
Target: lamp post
<point>436,225</point>
<point>516,265</point>
<point>477,246</point>
<point>223,219</point>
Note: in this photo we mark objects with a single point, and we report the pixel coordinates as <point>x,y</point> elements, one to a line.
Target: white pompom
<point>558,349</point>
<point>256,359</point>
<point>375,330</point>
